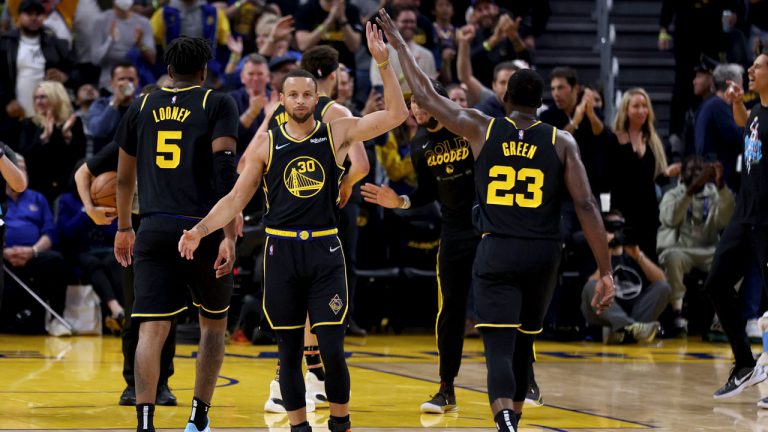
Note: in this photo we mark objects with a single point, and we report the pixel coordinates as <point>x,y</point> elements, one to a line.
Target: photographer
<point>692,215</point>
<point>642,291</point>
<point>106,112</point>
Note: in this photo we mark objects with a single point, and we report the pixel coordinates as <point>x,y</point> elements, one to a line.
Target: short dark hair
<point>121,64</point>
<point>187,55</point>
<point>525,88</point>
<point>438,86</point>
<point>505,65</point>
<point>565,72</point>
<point>256,59</point>
<point>400,9</point>
<point>320,61</point>
<point>300,73</point>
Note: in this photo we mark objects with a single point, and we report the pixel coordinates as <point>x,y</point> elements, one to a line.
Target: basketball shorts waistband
<point>301,234</point>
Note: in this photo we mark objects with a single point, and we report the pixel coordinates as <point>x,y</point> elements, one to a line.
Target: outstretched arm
<point>469,123</point>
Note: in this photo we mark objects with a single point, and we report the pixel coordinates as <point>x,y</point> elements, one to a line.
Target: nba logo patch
<point>271,250</point>
<point>336,304</point>
<point>520,134</point>
<point>173,100</point>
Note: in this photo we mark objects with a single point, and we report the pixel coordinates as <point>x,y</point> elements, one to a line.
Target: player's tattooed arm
<point>203,229</point>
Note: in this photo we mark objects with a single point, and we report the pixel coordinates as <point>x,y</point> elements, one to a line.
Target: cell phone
<point>630,236</point>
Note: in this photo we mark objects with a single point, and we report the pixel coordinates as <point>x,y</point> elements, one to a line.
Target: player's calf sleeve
<point>499,347</point>
<point>331,340</point>
<point>290,350</point>
<point>224,171</point>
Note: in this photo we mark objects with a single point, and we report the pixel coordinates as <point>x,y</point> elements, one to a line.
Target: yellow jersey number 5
<point>171,153</point>
<point>499,191</point>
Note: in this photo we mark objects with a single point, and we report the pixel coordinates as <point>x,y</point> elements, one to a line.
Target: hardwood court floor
<point>74,383</point>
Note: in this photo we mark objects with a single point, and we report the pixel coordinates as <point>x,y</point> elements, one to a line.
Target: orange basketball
<point>104,190</point>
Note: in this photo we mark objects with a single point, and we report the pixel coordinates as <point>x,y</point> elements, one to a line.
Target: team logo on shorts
<point>336,304</point>
<point>304,177</point>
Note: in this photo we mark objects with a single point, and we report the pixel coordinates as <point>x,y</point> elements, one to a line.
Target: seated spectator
<point>123,36</point>
<point>716,134</point>
<point>29,237</point>
<point>642,291</point>
<point>330,22</point>
<point>106,112</point>
<point>692,216</point>
<point>89,247</point>
<point>11,176</point>
<point>497,39</point>
<point>52,141</point>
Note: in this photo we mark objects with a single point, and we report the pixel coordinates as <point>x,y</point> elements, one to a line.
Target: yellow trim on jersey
<point>176,90</point>
<point>264,295</point>
<point>346,290</point>
<point>333,146</point>
<point>301,234</point>
<point>205,98</point>
<point>285,134</point>
<point>210,311</point>
<point>554,135</point>
<point>159,315</point>
<point>528,332</point>
<point>515,124</point>
<point>488,131</point>
<point>328,105</point>
<point>271,143</point>
<point>485,234</point>
<point>498,325</point>
<point>144,101</point>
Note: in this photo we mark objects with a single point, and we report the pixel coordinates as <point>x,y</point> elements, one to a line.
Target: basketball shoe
<point>739,380</point>
<point>275,402</point>
<point>442,402</point>
<point>192,428</point>
<point>315,390</point>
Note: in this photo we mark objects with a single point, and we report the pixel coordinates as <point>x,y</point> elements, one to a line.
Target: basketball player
<point>747,234</point>
<point>303,259</point>
<point>444,166</point>
<point>322,62</point>
<point>180,142</point>
<point>521,169</point>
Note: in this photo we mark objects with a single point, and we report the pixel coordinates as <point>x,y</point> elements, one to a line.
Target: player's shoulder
<point>216,98</point>
<point>334,111</point>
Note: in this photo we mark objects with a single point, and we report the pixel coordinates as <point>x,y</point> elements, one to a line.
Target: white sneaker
<point>275,402</point>
<point>753,332</point>
<point>315,390</point>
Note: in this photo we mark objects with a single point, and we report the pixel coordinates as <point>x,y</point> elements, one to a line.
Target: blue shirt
<point>492,107</point>
<point>28,218</point>
<point>244,135</point>
<point>77,232</point>
<point>103,120</point>
<point>716,133</point>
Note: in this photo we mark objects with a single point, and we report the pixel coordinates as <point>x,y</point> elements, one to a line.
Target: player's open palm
<point>188,243</point>
<point>382,195</point>
<point>124,241</point>
<point>604,292</point>
<point>376,44</point>
<point>390,29</point>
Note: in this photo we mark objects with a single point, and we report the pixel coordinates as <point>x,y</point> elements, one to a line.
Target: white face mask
<point>124,4</point>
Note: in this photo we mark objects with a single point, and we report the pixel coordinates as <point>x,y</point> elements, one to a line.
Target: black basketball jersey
<point>519,181</point>
<point>448,159</point>
<point>280,117</point>
<point>301,181</point>
<point>752,204</point>
<point>170,133</point>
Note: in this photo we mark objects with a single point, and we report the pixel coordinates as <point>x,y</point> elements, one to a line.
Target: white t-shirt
<point>30,67</point>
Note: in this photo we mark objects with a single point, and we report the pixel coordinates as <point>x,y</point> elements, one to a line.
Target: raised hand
<point>283,28</point>
<point>376,44</point>
<point>235,45</point>
<point>390,29</point>
<point>735,92</point>
<point>466,34</point>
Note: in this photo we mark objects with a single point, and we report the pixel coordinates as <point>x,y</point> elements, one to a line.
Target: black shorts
<point>163,278</point>
<point>514,280</point>
<point>304,276</point>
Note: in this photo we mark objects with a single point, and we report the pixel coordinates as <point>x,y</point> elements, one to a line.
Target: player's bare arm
<point>589,216</point>
<point>225,261</point>
<point>352,129</point>
<point>233,203</point>
<point>126,184</point>
<point>98,214</point>
<point>358,159</point>
<point>469,123</point>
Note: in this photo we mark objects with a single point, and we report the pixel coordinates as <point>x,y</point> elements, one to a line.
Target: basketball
<point>104,190</point>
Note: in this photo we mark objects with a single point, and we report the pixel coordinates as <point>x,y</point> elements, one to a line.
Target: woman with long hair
<point>52,141</point>
<point>636,158</point>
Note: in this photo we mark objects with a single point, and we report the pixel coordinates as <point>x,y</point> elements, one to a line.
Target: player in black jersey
<point>522,167</point>
<point>745,239</point>
<point>445,169</point>
<point>303,263</point>
<point>180,143</point>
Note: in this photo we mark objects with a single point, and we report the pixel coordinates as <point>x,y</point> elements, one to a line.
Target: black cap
<point>281,60</point>
<point>706,64</point>
<point>31,5</point>
<point>474,2</point>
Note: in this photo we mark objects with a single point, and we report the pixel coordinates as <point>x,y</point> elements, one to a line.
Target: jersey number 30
<point>499,190</point>
<point>172,152</point>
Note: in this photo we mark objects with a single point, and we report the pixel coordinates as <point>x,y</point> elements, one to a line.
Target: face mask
<point>124,4</point>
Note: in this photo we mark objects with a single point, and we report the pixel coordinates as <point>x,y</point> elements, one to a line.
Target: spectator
<point>636,159</point>
<point>243,15</point>
<point>445,40</point>
<point>122,36</point>
<point>493,105</point>
<point>330,22</point>
<point>534,14</point>
<point>692,216</point>
<point>106,112</point>
<point>716,134</point>
<point>423,33</point>
<point>86,95</point>
<point>251,98</point>
<point>30,234</point>
<point>52,141</point>
<point>346,90</point>
<point>496,40</point>
<point>405,19</point>
<point>703,89</point>
<point>457,94</point>
<point>11,176</point>
<point>274,35</point>
<point>642,291</point>
<point>25,68</point>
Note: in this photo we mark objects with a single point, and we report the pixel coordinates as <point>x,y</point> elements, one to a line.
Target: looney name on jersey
<point>518,148</point>
<point>447,152</point>
<point>170,113</point>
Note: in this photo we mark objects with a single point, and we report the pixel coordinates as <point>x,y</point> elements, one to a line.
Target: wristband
<point>34,251</point>
<point>2,150</point>
<point>665,36</point>
<point>126,229</point>
<point>321,28</point>
<point>487,46</point>
<point>383,64</point>
<point>406,202</point>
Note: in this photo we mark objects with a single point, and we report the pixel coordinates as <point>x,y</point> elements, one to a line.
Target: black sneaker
<point>128,398</point>
<point>739,380</point>
<point>441,403</point>
<point>164,396</point>
<point>533,397</point>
